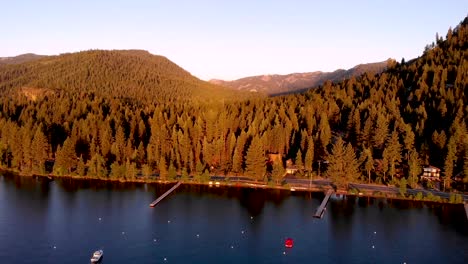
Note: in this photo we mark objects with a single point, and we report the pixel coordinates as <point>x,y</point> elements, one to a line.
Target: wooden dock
<point>153,204</point>
<point>321,209</point>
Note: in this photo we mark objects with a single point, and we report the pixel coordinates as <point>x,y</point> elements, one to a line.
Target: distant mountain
<point>297,82</point>
<point>20,58</point>
<point>131,74</point>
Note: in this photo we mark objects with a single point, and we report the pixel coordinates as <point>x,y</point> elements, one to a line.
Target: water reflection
<point>69,213</point>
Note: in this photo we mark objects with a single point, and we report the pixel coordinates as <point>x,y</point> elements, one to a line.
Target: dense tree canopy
<point>123,113</point>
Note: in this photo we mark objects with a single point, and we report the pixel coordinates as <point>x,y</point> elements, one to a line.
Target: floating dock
<point>153,204</point>
<point>321,209</point>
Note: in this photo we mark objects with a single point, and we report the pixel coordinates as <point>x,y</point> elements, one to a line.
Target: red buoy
<point>289,243</point>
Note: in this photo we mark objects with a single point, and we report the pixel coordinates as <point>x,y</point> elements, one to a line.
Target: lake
<point>64,221</point>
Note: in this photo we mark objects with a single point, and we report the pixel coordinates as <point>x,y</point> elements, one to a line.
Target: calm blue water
<point>58,222</point>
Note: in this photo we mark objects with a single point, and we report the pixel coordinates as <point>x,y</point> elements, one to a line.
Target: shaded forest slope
<point>126,74</point>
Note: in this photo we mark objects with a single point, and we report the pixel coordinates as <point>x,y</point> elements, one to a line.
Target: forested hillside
<point>124,74</point>
<point>373,128</point>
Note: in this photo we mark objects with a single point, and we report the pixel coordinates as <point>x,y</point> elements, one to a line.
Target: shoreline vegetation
<point>422,195</point>
<point>123,114</point>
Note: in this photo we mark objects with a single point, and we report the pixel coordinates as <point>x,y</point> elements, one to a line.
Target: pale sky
<point>232,39</point>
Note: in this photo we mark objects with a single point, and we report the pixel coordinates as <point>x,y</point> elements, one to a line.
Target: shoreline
<point>251,185</point>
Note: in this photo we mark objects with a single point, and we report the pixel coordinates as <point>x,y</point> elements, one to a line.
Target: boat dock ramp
<point>153,204</point>
<point>323,206</point>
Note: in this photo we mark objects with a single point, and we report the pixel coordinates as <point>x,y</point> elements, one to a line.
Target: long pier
<point>153,204</point>
<point>323,205</point>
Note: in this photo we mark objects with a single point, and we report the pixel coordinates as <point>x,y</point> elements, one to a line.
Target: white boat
<point>97,256</point>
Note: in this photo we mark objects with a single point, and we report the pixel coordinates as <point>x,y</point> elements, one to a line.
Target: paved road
<point>305,183</point>
<point>389,189</point>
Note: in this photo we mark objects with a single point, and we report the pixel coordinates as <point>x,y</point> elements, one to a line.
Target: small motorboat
<point>289,243</point>
<point>97,256</point>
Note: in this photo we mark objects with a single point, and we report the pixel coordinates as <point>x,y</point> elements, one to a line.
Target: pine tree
<point>309,158</point>
<point>26,164</point>
<point>140,154</point>
<point>117,170</point>
<point>199,171</point>
<point>298,162</point>
<point>408,140</point>
<point>255,160</point>
<point>130,170</point>
<point>81,167</point>
<point>352,169</point>
<point>39,147</point>
<point>325,132</point>
<point>278,172</point>
<point>184,175</point>
<point>97,166</point>
<point>450,158</point>
<point>237,160</point>
<point>393,150</point>
<point>16,148</point>
<point>146,171</point>
<point>105,139</point>
<point>368,162</point>
<point>465,162</point>
<point>163,173</point>
<point>380,131</point>
<point>58,163</point>
<point>118,148</point>
<point>414,170</point>
<point>172,173</point>
<point>68,153</point>
<point>343,167</point>
<point>385,164</point>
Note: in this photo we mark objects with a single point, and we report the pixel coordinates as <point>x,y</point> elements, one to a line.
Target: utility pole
<point>319,167</point>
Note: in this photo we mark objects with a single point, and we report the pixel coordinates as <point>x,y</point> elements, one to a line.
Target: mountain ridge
<point>274,84</point>
<point>22,58</point>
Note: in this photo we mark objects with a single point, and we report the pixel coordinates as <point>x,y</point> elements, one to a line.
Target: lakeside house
<point>431,173</point>
<point>290,167</point>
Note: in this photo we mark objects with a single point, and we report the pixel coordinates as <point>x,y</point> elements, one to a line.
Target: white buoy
<point>55,247</point>
<point>284,252</point>
<point>168,221</point>
<point>242,231</point>
<point>123,233</point>
<point>251,217</point>
<point>154,240</point>
<point>100,219</point>
<point>198,235</point>
<point>165,259</point>
<point>375,232</point>
<point>373,246</point>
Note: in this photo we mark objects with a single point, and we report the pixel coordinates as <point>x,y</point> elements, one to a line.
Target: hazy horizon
<point>228,41</point>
